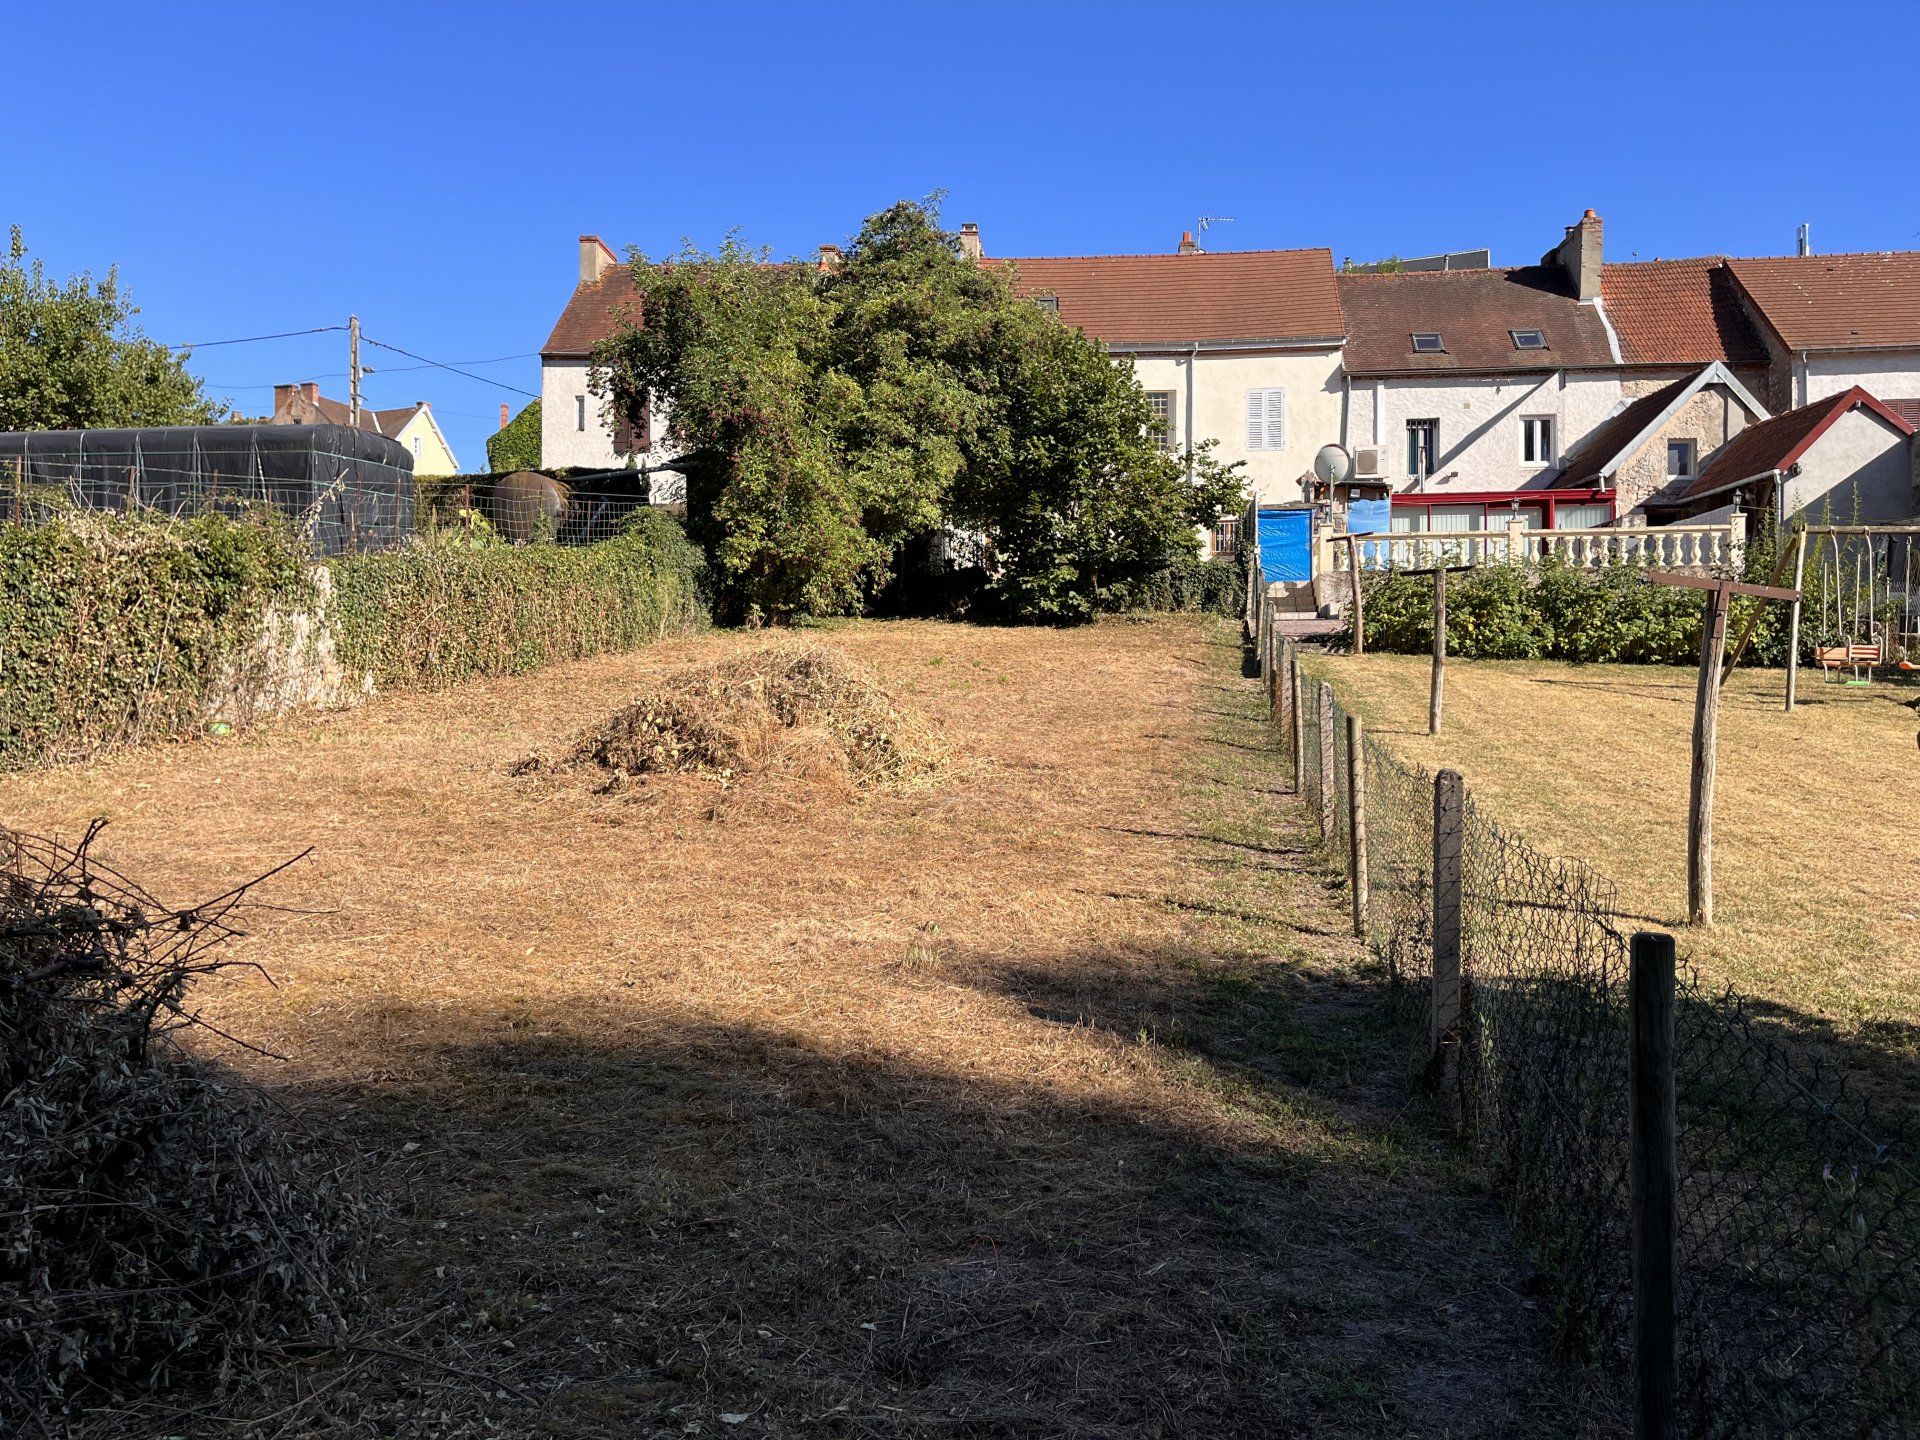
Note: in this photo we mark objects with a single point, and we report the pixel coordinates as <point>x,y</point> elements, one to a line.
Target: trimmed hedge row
<point>433,616</point>
<point>115,629</point>
<point>1557,612</point>
<point>1215,587</point>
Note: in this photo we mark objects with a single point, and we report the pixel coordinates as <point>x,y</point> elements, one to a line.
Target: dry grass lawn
<point>1044,1098</point>
<point>1817,815</point>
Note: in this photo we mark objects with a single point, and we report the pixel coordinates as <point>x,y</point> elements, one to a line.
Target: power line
<point>403,369</point>
<point>453,369</point>
<point>249,339</point>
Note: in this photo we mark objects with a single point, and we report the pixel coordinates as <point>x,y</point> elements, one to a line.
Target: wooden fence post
<point>1449,826</point>
<point>1654,1180</point>
<point>1299,729</point>
<point>1327,778</point>
<point>1706,729</point>
<point>1357,822</point>
<point>1359,601</point>
<point>1793,623</point>
<point>1283,688</point>
<point>1436,692</point>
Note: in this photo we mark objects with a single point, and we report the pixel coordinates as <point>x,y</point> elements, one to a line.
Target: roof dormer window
<point>1427,342</point>
<point>1528,340</point>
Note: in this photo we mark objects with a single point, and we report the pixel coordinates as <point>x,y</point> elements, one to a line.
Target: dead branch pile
<point>786,707</point>
<point>156,1225</point>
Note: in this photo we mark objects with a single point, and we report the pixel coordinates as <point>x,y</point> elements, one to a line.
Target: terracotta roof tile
<point>1678,312</point>
<point>1121,299</point>
<point>1472,311</point>
<point>1819,302</point>
<point>1243,295</point>
<point>1777,443</point>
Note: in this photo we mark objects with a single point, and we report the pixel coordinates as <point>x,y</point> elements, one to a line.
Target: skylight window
<point>1427,343</point>
<point>1048,302</point>
<point>1528,340</point>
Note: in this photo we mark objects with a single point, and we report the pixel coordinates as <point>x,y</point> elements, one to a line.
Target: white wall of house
<point>1309,408</point>
<point>574,427</point>
<point>1859,469</point>
<point>1885,374</point>
<point>1480,421</point>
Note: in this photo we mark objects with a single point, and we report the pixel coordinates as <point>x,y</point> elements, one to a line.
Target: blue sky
<point>254,169</point>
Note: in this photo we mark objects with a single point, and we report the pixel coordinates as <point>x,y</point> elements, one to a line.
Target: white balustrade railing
<point>1666,547</point>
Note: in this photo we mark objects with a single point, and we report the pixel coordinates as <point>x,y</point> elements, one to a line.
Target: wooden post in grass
<point>1357,822</point>
<point>1299,728</point>
<point>1793,623</point>
<point>1437,690</point>
<point>1283,688</point>
<point>1359,605</point>
<point>1706,727</point>
<point>1326,761</point>
<point>1449,830</point>
<point>1654,1180</point>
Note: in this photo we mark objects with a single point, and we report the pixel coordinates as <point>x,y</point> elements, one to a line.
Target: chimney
<point>283,397</point>
<point>1188,245</point>
<point>970,241</point>
<point>1579,256</point>
<point>595,257</point>
<point>1805,239</point>
<point>503,414</point>
<point>830,257</point>
<point>311,390</point>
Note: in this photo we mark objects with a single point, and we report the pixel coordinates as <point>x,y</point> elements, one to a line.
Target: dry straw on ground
<point>784,708</point>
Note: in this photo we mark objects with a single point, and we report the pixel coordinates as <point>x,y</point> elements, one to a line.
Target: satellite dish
<point>1332,464</point>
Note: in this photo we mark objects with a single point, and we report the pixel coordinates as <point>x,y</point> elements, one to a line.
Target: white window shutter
<point>1276,419</point>
<point>1256,420</point>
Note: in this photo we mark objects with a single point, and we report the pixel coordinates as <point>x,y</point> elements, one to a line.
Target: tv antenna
<point>1206,222</point>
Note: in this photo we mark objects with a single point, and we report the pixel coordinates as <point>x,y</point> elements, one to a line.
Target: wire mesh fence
<point>1798,1216</point>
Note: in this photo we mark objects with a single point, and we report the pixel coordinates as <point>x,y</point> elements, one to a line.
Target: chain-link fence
<point>1797,1217</point>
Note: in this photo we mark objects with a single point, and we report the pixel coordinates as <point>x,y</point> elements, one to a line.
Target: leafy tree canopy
<point>827,416</point>
<point>71,357</point>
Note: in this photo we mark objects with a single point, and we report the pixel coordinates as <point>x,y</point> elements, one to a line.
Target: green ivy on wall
<point>516,445</point>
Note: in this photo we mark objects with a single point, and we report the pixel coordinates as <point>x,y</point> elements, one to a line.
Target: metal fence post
<point>1449,825</point>
<point>1655,1180</point>
<point>1357,823</point>
<point>1327,781</point>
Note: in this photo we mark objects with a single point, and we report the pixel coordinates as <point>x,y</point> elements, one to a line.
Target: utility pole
<point>353,371</point>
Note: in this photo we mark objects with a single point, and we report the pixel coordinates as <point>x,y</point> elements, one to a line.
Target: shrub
<point>114,628</point>
<point>155,1225</point>
<point>1561,612</point>
<point>438,614</point>
<point>1214,587</point>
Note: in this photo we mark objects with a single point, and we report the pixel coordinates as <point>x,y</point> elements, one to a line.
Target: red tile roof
<point>1603,445</point>
<point>593,313</point>
<point>1777,443</point>
<point>1678,312</point>
<point>1820,302</point>
<point>323,411</point>
<point>1472,311</point>
<point>1242,295</point>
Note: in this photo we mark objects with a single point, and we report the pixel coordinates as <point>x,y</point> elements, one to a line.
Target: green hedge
<point>114,629</point>
<point>435,615</point>
<point>1559,612</point>
<point>516,445</point>
<point>1217,587</point>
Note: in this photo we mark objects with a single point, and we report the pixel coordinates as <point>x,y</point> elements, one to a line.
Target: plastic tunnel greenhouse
<point>352,489</point>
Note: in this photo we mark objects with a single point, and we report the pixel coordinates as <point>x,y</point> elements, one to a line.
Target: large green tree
<point>71,357</point>
<point>827,416</point>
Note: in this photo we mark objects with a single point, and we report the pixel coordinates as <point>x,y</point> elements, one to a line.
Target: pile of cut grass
<point>784,709</point>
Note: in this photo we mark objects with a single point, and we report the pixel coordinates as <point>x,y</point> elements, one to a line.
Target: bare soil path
<point>1045,1099</point>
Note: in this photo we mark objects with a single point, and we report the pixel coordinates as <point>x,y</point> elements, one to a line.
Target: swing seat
<point>1848,657</point>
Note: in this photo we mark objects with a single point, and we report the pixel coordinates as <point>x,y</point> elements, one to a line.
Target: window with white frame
<point>1536,439</point>
<point>1680,454</point>
<point>580,412</point>
<point>1423,446</point>
<point>1162,431</point>
<point>416,447</point>
<point>1266,419</point>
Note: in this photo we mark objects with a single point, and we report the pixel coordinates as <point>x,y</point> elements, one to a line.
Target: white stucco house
<point>1831,322</point>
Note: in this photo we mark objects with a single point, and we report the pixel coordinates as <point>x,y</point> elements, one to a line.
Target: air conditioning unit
<point>1370,463</point>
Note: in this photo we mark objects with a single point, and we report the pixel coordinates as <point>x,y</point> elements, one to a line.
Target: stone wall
<point>291,665</point>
